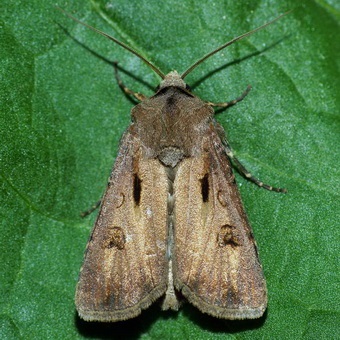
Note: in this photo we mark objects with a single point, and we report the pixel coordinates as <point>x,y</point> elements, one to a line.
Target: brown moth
<point>171,222</point>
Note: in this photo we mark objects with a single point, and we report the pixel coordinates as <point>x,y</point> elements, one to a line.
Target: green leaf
<point>62,115</point>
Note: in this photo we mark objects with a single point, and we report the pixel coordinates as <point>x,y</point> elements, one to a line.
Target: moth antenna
<point>193,66</point>
<point>156,69</point>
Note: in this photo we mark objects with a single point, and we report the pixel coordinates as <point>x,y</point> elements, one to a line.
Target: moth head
<point>172,79</point>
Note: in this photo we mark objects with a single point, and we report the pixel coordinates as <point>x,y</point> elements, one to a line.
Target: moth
<point>171,222</point>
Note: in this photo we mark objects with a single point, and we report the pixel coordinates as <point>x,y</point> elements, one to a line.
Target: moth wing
<point>216,264</point>
<point>125,267</point>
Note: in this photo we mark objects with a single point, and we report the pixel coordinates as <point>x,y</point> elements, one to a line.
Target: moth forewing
<point>217,266</point>
<point>125,268</point>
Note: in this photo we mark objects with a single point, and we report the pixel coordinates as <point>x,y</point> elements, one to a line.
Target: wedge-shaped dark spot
<point>137,189</point>
<point>205,188</point>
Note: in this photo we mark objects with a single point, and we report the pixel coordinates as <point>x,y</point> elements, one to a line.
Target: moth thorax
<point>172,79</point>
<point>171,156</point>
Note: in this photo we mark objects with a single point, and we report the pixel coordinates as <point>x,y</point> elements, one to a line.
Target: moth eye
<point>137,189</point>
<point>205,188</point>
<point>187,87</point>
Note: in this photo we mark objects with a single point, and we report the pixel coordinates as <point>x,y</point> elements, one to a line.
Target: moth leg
<point>91,210</point>
<point>137,95</point>
<point>246,173</point>
<point>232,102</point>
